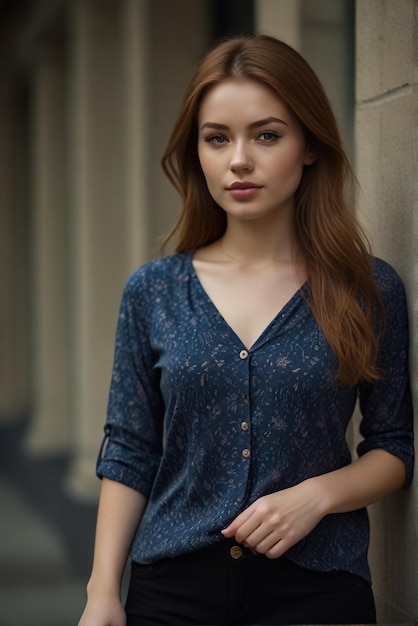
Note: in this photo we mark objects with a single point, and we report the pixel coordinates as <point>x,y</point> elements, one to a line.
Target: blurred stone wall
<point>386,140</point>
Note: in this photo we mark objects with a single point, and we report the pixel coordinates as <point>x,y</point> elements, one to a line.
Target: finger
<point>230,530</point>
<point>276,551</point>
<point>262,538</point>
<point>279,548</point>
<point>250,532</point>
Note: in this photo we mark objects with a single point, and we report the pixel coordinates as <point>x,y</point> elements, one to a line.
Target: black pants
<point>226,585</point>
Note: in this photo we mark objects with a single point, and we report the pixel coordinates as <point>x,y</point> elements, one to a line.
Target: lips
<point>243,185</point>
<point>243,190</point>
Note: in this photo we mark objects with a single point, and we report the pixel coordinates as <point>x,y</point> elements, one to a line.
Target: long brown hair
<point>342,293</point>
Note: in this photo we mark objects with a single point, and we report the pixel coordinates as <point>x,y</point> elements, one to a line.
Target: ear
<point>310,157</point>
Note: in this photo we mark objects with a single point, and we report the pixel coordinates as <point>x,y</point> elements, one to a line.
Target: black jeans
<point>226,584</point>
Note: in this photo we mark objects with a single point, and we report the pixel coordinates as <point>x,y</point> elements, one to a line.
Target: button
<point>245,453</point>
<point>243,354</point>
<point>244,426</point>
<point>236,552</point>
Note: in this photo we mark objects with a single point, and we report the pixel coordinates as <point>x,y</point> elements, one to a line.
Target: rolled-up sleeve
<point>132,445</point>
<point>386,405</point>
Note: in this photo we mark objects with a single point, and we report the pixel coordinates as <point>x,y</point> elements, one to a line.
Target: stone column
<point>281,19</point>
<point>328,44</point>
<point>386,158</point>
<point>49,431</point>
<point>138,135</point>
<point>174,51</point>
<point>14,335</point>
<point>108,97</point>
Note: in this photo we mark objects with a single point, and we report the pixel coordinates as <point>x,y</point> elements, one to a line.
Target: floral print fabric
<point>203,426</point>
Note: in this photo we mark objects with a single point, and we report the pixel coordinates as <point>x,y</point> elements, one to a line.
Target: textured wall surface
<point>386,164</point>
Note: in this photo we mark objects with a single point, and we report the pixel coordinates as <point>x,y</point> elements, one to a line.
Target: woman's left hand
<point>274,523</point>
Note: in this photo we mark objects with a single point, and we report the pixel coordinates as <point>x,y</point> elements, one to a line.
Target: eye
<point>268,136</point>
<point>216,140</point>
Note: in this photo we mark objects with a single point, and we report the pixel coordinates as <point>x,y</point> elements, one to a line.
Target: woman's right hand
<point>103,612</point>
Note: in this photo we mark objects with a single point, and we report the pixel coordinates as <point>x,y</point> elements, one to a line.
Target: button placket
<point>245,425</point>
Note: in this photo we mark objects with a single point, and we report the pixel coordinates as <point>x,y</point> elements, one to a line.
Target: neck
<point>253,244</point>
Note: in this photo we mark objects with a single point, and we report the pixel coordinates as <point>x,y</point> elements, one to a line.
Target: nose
<point>241,159</point>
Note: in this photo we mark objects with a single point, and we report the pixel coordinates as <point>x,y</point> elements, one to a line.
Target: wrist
<point>103,587</point>
<point>320,496</point>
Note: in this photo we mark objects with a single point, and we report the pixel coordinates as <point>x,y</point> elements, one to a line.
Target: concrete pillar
<point>138,134</point>
<point>386,158</point>
<point>49,432</point>
<point>14,335</point>
<point>328,44</point>
<point>281,19</point>
<point>109,174</point>
<point>174,51</point>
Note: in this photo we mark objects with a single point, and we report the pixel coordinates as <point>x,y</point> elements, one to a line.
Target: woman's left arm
<point>276,522</point>
<point>368,479</point>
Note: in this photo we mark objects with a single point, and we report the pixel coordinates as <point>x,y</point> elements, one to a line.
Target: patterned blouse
<point>203,426</point>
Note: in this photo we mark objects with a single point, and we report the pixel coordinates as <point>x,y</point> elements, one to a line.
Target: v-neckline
<point>282,313</point>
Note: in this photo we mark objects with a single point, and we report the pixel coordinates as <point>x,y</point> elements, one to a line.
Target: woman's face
<point>251,149</point>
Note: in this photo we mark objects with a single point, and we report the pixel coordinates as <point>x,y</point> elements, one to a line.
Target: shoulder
<point>392,292</point>
<point>388,281</point>
<point>162,274</point>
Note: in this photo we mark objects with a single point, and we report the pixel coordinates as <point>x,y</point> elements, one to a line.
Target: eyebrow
<point>257,124</point>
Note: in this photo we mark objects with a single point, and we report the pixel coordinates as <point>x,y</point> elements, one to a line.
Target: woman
<point>238,364</point>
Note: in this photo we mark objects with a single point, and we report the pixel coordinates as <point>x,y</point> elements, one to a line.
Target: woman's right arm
<point>120,510</point>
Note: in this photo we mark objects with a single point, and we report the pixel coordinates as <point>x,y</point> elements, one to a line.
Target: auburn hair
<point>342,293</point>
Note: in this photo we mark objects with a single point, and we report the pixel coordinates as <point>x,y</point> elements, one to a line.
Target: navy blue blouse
<point>203,427</point>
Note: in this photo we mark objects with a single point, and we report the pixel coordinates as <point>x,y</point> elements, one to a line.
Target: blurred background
<point>89,90</point>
